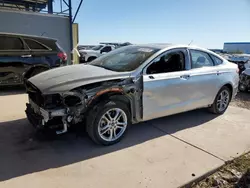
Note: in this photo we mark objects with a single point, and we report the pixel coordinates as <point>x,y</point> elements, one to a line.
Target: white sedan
<point>130,85</point>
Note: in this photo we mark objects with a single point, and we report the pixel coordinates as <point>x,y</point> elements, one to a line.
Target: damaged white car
<point>130,85</point>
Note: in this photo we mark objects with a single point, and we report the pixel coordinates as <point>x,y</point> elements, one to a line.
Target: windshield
<point>97,47</point>
<point>124,59</point>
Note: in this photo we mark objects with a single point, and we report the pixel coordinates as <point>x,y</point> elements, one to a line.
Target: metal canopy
<point>28,5</point>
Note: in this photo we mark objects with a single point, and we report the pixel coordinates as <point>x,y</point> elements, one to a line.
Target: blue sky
<point>209,23</point>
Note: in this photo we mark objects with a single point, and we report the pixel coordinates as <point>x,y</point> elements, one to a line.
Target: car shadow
<point>23,151</point>
<point>11,90</point>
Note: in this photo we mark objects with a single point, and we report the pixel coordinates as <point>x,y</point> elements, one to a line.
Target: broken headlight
<point>71,99</point>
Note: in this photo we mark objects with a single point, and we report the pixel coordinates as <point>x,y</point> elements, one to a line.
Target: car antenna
<point>190,42</point>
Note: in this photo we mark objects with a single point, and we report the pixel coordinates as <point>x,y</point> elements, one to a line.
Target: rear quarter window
<point>50,43</point>
<point>34,45</point>
<point>217,61</point>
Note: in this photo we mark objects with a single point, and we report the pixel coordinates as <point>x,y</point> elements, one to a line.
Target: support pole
<point>50,6</point>
<point>70,31</point>
<point>78,8</point>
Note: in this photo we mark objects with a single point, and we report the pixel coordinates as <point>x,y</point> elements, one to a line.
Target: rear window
<point>59,48</point>
<point>49,43</point>
<point>10,43</point>
<point>34,45</point>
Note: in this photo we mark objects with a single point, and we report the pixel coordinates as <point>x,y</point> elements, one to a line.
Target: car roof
<point>162,46</point>
<point>24,35</point>
<point>169,46</point>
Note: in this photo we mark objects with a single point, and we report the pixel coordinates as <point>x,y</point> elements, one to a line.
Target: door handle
<point>26,55</point>
<point>151,77</point>
<point>185,77</point>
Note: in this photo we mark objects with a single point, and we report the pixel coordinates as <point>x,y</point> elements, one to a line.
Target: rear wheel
<point>37,71</point>
<point>221,101</point>
<point>107,123</point>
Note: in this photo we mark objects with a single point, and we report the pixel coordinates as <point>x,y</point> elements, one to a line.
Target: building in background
<point>237,47</point>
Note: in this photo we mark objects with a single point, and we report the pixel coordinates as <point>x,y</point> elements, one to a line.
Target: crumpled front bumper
<point>39,121</point>
<point>34,119</point>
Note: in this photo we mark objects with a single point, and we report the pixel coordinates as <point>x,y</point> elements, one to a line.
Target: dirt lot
<point>242,100</point>
<point>235,174</point>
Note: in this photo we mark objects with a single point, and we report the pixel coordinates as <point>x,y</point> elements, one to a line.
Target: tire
<point>91,59</point>
<point>215,108</point>
<point>242,88</point>
<point>96,122</point>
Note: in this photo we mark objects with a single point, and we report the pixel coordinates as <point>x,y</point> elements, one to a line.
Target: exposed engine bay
<point>61,110</point>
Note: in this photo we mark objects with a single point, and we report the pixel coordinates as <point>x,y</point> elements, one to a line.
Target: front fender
<point>115,94</point>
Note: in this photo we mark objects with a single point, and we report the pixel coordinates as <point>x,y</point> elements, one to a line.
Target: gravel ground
<point>236,174</point>
<point>242,100</point>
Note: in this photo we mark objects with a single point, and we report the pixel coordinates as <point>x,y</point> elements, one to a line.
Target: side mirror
<point>101,51</point>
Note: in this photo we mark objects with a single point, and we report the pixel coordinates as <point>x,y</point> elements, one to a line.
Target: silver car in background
<point>130,85</point>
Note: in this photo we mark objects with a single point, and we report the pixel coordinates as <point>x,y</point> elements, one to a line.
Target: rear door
<point>42,55</point>
<point>13,59</point>
<point>204,74</point>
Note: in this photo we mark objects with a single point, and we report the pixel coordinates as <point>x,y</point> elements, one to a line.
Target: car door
<point>13,58</point>
<point>203,74</point>
<point>168,91</point>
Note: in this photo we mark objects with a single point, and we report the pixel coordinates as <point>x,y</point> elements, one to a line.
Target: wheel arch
<point>111,94</point>
<point>230,87</point>
<point>31,69</point>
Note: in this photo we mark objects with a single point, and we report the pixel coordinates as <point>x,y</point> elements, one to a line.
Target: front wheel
<point>108,122</point>
<point>221,101</point>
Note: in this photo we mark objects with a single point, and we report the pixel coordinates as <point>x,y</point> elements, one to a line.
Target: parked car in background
<point>116,44</point>
<point>84,47</point>
<point>129,85</point>
<point>242,60</point>
<point>244,84</point>
<point>88,55</point>
<point>91,54</point>
<point>23,56</point>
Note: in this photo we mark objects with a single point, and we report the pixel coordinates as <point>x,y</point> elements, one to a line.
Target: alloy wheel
<point>112,124</point>
<point>223,100</point>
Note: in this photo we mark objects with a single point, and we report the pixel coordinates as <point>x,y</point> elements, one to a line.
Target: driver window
<point>169,62</point>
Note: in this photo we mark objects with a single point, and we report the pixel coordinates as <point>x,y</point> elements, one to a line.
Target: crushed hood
<point>66,78</point>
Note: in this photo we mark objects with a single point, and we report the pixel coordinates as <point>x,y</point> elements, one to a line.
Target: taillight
<point>62,56</point>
